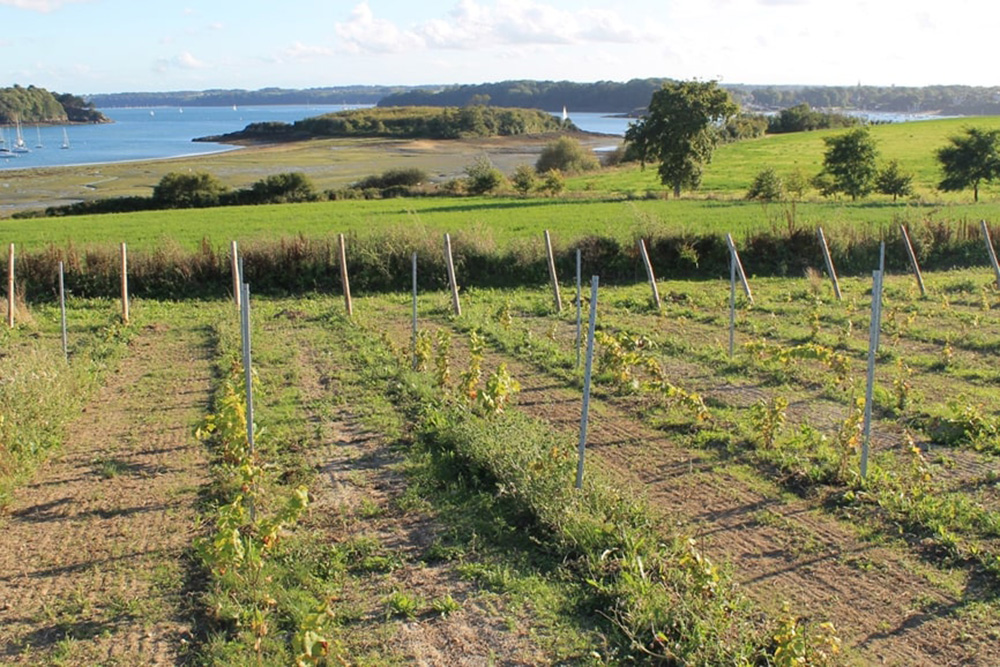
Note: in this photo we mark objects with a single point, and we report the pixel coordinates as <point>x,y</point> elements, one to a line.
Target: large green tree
<point>971,159</point>
<point>681,130</point>
<point>849,164</point>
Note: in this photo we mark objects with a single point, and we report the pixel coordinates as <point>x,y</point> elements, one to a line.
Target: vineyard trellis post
<point>10,287</point>
<point>455,303</point>
<point>235,259</point>
<point>585,415</point>
<point>579,306</point>
<point>732,304</point>
<point>343,276</point>
<point>739,267</point>
<point>124,284</point>
<point>413,336</point>
<point>828,259</point>
<point>873,341</point>
<point>552,272</point>
<point>247,372</point>
<point>913,260</point>
<point>989,249</point>
<point>62,310</point>
<point>649,273</point>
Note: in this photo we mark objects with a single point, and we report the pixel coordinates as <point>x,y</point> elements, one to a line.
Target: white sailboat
<point>5,151</point>
<point>38,131</point>
<point>65,143</point>
<point>19,145</point>
<point>565,115</point>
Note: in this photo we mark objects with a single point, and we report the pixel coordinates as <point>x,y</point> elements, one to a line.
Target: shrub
<point>483,177</point>
<point>177,190</point>
<point>393,178</point>
<point>766,186</point>
<point>524,179</point>
<point>567,155</point>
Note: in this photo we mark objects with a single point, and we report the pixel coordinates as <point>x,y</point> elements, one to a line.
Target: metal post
<point>343,276</point>
<point>10,287</point>
<point>586,382</point>
<point>739,267</point>
<point>873,338</point>
<point>989,249</point>
<point>552,272</point>
<point>829,263</point>
<point>248,363</point>
<point>649,273</point>
<point>732,304</point>
<point>237,273</point>
<point>413,338</point>
<point>124,284</point>
<point>455,303</point>
<point>62,311</point>
<point>579,307</point>
<point>913,260</point>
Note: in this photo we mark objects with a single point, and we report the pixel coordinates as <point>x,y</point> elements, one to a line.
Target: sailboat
<point>565,115</point>
<point>5,152</point>
<point>65,143</point>
<point>19,145</point>
<point>39,132</point>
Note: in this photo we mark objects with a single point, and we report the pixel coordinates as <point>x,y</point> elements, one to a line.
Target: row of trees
<point>686,122</point>
<point>38,105</point>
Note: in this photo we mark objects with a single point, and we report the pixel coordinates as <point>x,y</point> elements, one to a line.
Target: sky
<point>105,46</point>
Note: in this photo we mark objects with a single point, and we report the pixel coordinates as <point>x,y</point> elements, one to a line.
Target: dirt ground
<point>93,565</point>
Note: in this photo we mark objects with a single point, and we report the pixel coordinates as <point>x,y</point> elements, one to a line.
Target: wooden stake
<point>455,303</point>
<point>343,276</point>
<point>124,284</point>
<point>649,273</point>
<point>913,260</point>
<point>237,292</point>
<point>552,272</point>
<point>832,272</point>
<point>989,249</point>
<point>10,287</point>
<point>739,267</point>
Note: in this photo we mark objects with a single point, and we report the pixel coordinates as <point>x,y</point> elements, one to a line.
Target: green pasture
<point>621,202</point>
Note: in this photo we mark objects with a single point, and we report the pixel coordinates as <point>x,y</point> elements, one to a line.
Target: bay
<point>152,133</point>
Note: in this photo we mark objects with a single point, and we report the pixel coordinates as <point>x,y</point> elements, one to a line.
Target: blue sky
<point>102,46</point>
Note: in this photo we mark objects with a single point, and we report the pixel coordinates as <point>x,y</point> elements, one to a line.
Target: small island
<point>403,123</point>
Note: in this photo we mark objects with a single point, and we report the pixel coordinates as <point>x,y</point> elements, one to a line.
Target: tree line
<point>687,120</point>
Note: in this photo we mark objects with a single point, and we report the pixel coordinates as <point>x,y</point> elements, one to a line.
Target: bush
<point>766,186</point>
<point>177,190</point>
<point>567,155</point>
<point>483,177</point>
<point>524,179</point>
<point>392,178</point>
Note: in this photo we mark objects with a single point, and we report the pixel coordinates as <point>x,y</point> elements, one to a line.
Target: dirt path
<point>92,560</point>
<point>887,605</point>
<point>359,499</point>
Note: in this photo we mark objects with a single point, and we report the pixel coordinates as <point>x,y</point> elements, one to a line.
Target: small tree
<point>180,190</point>
<point>766,186</point>
<point>482,177</point>
<point>524,179</point>
<point>892,181</point>
<point>970,160</point>
<point>567,155</point>
<point>554,182</point>
<point>850,164</point>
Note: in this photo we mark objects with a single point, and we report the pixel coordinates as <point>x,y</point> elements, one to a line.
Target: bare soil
<point>93,565</point>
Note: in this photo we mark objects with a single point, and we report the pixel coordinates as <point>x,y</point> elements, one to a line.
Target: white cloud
<point>44,6</point>
<point>300,51</point>
<point>471,25</point>
<point>183,61</point>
